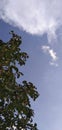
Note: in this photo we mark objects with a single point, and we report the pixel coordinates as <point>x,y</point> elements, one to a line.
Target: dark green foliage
<point>15,107</point>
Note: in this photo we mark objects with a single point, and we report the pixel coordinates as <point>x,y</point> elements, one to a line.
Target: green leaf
<point>15,98</point>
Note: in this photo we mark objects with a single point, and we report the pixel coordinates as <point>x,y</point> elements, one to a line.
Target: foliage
<point>15,106</point>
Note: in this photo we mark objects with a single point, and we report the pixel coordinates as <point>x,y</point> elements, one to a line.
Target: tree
<point>15,106</point>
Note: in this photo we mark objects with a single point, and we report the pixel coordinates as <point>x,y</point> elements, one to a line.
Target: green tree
<point>15,106</point>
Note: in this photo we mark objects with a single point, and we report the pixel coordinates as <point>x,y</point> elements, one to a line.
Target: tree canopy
<point>15,106</point>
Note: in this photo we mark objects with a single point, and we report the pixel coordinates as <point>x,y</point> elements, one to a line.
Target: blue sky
<point>40,25</point>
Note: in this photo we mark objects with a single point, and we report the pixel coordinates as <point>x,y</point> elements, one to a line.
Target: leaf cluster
<point>15,106</point>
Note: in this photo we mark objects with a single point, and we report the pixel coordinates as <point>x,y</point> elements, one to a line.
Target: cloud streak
<point>52,53</point>
<point>33,16</point>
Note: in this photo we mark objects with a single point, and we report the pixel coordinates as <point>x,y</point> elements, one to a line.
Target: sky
<point>39,23</point>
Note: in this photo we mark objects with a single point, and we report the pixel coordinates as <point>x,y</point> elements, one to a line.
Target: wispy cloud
<point>33,16</point>
<point>52,53</point>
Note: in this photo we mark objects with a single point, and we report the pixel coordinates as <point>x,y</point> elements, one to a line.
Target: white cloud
<point>52,53</point>
<point>53,64</point>
<point>33,16</point>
